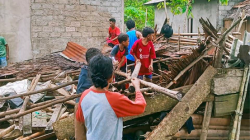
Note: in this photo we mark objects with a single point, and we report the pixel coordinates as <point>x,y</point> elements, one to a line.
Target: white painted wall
<point>15,27</point>
<point>201,8</point>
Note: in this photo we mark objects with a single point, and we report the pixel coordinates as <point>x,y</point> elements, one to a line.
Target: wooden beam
<point>206,120</point>
<point>40,107</point>
<point>6,131</point>
<point>184,109</point>
<point>39,91</point>
<point>54,117</point>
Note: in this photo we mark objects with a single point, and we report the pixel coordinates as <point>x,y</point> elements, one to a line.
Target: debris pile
<point>192,96</point>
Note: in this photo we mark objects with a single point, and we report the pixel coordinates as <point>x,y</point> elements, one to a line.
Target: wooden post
<point>206,120</point>
<point>184,109</point>
<point>179,39</point>
<point>135,75</point>
<point>232,135</point>
<point>55,116</point>
<point>6,131</point>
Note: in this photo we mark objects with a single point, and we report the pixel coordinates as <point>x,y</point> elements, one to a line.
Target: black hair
<point>112,20</point>
<point>146,31</point>
<point>122,37</point>
<point>130,24</point>
<point>101,69</point>
<point>91,52</point>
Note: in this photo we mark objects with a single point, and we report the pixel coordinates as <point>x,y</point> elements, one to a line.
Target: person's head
<point>130,24</point>
<point>123,39</point>
<point>148,33</point>
<point>112,22</point>
<point>91,52</point>
<point>101,71</point>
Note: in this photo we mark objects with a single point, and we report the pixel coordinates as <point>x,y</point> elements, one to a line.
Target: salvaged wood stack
<point>197,82</point>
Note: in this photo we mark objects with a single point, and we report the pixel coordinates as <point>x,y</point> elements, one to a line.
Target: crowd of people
<point>99,112</point>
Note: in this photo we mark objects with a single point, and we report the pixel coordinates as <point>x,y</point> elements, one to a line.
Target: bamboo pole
<point>232,135</point>
<point>242,105</point>
<point>6,131</point>
<point>206,120</point>
<point>40,107</point>
<point>173,94</point>
<point>160,60</point>
<point>29,107</point>
<point>38,91</point>
<point>34,135</point>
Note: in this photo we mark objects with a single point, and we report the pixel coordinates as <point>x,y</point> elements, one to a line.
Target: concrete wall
<point>15,27</point>
<point>201,8</point>
<point>56,22</point>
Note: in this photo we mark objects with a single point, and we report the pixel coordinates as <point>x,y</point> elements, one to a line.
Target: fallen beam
<point>184,109</point>
<point>39,91</point>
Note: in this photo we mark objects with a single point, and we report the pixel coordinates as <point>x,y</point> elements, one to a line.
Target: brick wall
<point>56,22</point>
<point>223,9</point>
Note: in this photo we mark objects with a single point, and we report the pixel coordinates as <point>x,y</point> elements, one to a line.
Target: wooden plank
<point>184,109</point>
<point>206,120</point>
<point>38,121</point>
<point>230,101</point>
<point>54,117</point>
<point>6,131</point>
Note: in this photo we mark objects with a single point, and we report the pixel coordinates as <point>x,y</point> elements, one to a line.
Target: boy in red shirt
<point>113,33</point>
<point>143,51</point>
<point>120,51</point>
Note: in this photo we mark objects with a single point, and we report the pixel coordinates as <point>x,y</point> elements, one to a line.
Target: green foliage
<point>135,10</point>
<point>180,6</point>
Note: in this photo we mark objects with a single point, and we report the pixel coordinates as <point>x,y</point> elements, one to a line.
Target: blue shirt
<point>84,81</point>
<point>132,39</point>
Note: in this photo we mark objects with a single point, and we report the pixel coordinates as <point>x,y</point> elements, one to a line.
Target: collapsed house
<point>199,90</point>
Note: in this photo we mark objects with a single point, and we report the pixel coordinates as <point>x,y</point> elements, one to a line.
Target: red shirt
<point>114,33</point>
<point>145,53</point>
<point>118,54</point>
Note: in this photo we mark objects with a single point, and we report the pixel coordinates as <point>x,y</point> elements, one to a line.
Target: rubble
<point>190,81</point>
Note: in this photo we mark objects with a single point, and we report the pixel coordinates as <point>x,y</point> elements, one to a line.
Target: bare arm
<point>136,59</point>
<point>138,35</point>
<point>7,51</point>
<point>120,64</point>
<point>114,38</point>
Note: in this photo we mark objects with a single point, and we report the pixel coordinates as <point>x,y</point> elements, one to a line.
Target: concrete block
<point>90,8</point>
<point>53,1</point>
<point>53,23</point>
<point>116,4</point>
<point>54,34</point>
<point>67,34</point>
<point>38,12</point>
<point>96,34</point>
<point>43,34</point>
<point>34,34</point>
<point>59,6</point>
<point>41,22</point>
<point>227,81</point>
<point>74,2</point>
<point>63,1</point>
<point>60,17</point>
<point>231,3</point>
<point>84,1</point>
<point>95,3</point>
<point>36,29</point>
<point>47,17</point>
<point>228,7</point>
<point>36,6</point>
<point>47,6</point>
<point>107,3</point>
<point>75,23</point>
<point>59,29</point>
<point>39,1</point>
<point>76,34</point>
<point>70,29</point>
<point>67,7</point>
<point>47,29</point>
<point>83,8</point>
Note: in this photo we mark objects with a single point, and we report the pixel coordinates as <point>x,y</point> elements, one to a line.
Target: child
<point>102,110</point>
<point>84,82</point>
<point>143,51</point>
<point>4,52</point>
<point>120,51</point>
<point>133,36</point>
<point>113,33</point>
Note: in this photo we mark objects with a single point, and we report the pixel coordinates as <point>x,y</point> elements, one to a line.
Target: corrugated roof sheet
<point>75,52</point>
<point>242,4</point>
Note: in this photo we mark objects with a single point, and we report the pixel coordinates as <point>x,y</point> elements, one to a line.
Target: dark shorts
<point>146,76</point>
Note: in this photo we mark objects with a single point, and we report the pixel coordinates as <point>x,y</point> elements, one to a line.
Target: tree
<point>180,6</point>
<point>135,10</point>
